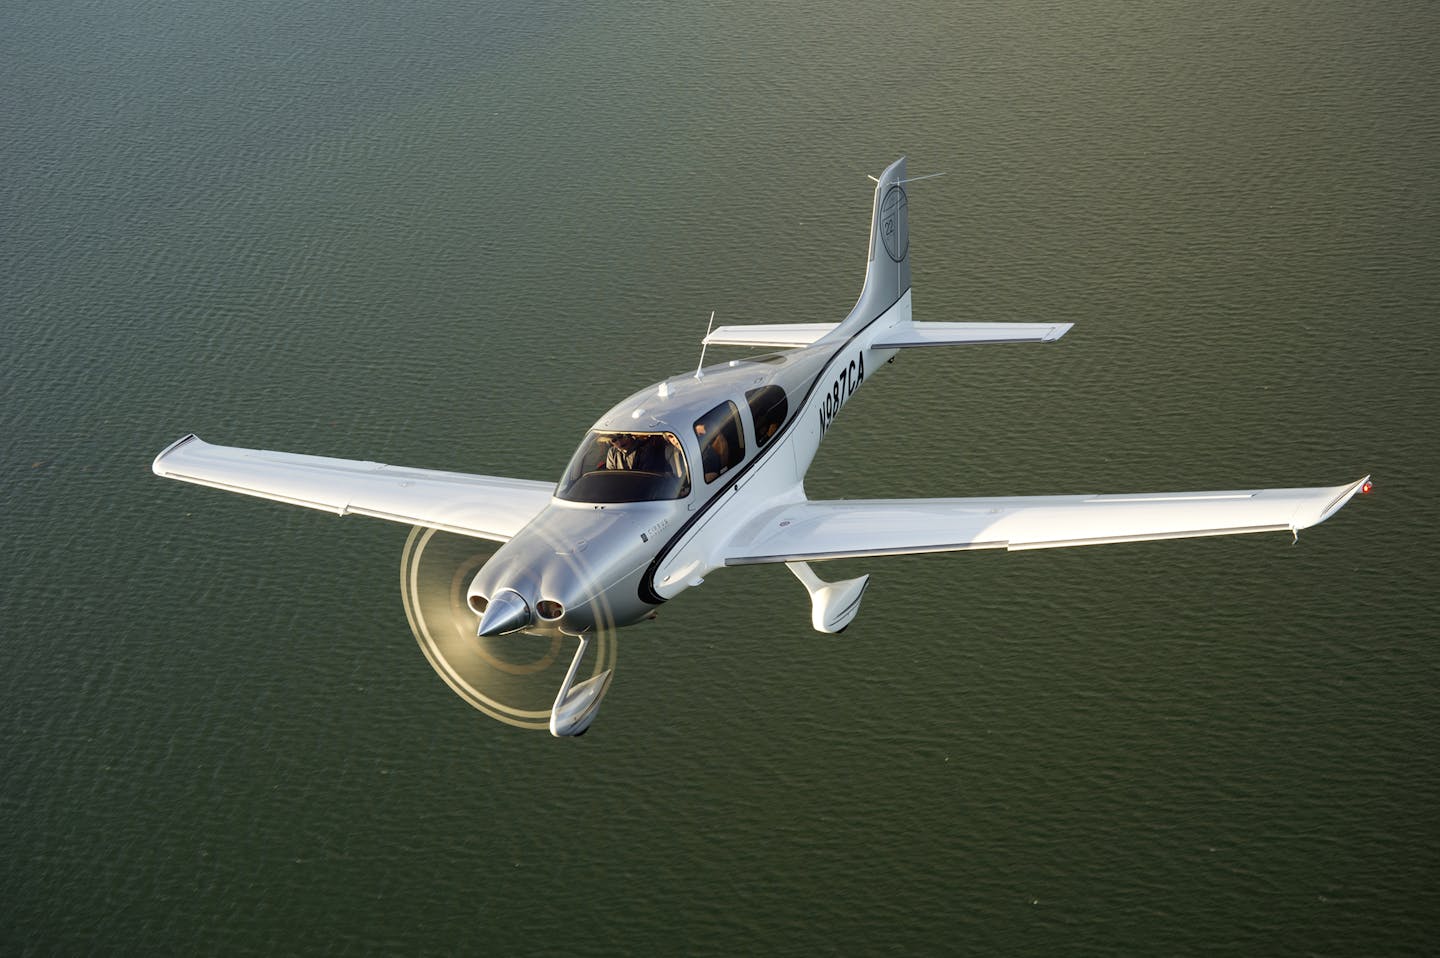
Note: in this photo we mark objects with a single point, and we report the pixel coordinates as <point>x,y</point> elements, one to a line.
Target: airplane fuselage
<point>583,565</point>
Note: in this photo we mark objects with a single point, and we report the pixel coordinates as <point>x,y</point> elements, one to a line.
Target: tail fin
<point>887,278</point>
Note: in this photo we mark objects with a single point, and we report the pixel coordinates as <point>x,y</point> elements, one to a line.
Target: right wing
<point>487,507</point>
<point>850,528</point>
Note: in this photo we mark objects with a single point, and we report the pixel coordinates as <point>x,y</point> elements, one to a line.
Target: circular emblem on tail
<point>895,224</point>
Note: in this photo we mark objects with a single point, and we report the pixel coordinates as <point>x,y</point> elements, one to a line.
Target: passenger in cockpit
<point>715,455</point>
<point>667,446</point>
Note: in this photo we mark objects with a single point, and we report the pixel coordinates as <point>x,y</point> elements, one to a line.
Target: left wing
<point>487,507</point>
<point>839,529</point>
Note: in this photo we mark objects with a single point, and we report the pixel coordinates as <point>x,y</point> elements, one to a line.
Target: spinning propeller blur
<point>511,678</point>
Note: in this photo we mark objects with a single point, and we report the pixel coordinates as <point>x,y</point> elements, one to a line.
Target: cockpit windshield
<point>626,467</point>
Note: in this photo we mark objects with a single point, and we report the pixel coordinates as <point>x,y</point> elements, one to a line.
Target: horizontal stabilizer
<point>903,336</point>
<point>963,334</point>
<point>774,335</point>
<point>852,528</point>
<point>487,507</point>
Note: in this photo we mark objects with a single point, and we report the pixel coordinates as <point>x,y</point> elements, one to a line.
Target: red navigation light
<point>1365,487</point>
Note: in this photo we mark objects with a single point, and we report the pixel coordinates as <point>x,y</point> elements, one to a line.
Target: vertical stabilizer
<point>887,277</point>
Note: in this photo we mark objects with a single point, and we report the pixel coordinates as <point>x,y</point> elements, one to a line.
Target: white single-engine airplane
<point>706,470</point>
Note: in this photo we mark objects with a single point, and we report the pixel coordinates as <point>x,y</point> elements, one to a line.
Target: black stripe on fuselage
<point>646,590</point>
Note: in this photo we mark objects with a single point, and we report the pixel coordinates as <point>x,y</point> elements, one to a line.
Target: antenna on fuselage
<point>703,344</point>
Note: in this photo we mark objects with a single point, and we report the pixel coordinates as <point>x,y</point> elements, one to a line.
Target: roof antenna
<point>703,343</point>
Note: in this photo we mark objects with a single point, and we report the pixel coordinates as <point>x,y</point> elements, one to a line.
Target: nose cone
<point>507,612</point>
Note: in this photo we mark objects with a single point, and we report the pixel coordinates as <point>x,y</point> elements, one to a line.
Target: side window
<point>767,409</point>
<point>722,444</point>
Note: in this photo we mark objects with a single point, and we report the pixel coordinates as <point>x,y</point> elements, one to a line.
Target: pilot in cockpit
<point>644,453</point>
<point>623,453</point>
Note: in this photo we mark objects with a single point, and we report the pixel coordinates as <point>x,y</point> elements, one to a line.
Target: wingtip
<point>156,467</point>
<point>1362,485</point>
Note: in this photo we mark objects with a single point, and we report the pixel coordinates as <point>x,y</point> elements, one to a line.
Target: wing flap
<point>488,507</point>
<point>839,529</point>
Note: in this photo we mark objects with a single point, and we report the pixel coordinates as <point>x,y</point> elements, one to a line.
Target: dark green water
<point>450,235</point>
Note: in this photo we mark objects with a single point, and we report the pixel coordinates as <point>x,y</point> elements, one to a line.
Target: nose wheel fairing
<point>577,705</point>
